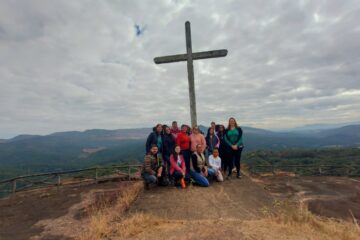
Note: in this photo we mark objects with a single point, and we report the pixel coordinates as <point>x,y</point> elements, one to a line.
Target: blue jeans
<point>211,173</point>
<point>149,179</point>
<point>200,179</point>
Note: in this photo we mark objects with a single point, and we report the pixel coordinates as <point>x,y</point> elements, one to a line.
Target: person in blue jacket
<point>156,137</point>
<point>234,141</point>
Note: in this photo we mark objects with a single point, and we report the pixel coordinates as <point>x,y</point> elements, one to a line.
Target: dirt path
<point>237,199</point>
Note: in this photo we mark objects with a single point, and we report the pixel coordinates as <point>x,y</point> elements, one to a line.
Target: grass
<point>104,213</point>
<point>283,221</point>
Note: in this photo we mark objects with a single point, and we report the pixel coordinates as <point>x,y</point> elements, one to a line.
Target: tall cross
<point>189,57</point>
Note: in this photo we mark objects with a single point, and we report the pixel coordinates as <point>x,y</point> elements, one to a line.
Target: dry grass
<point>285,222</point>
<point>289,222</point>
<point>102,217</point>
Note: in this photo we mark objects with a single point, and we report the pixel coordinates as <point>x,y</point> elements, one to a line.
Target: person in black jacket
<point>222,147</point>
<point>168,146</point>
<point>234,141</point>
<point>156,137</point>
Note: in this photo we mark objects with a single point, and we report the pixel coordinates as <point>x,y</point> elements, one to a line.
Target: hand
<point>159,172</point>
<point>235,147</point>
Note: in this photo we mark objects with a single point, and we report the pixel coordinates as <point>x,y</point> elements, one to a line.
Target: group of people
<point>180,156</point>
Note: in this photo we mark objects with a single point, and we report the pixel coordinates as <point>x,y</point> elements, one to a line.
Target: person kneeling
<point>215,164</point>
<point>153,170</point>
<point>199,170</point>
<point>177,167</point>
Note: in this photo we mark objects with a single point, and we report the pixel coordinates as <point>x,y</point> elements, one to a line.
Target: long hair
<point>236,125</point>
<point>221,132</point>
<point>164,129</point>
<point>175,153</point>
<point>208,133</point>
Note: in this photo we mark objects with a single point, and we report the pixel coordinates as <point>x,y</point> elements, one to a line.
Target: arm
<point>147,165</point>
<point>217,141</point>
<point>240,142</point>
<point>148,143</point>
<point>210,161</point>
<point>173,163</point>
<point>203,142</point>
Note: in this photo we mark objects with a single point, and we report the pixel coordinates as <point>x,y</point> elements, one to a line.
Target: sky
<point>76,65</point>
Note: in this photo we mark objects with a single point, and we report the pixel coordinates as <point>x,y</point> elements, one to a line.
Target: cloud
<point>74,65</point>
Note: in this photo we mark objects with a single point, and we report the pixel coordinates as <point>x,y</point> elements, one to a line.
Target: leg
<point>149,179</point>
<point>219,176</point>
<point>199,179</point>
<point>177,176</point>
<point>230,160</point>
<point>211,173</point>
<point>187,155</point>
<point>237,156</point>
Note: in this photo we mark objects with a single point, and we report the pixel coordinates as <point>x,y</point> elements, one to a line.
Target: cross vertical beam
<point>189,57</point>
<point>190,70</point>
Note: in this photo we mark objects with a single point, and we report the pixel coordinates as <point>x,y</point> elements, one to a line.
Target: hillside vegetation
<point>27,154</point>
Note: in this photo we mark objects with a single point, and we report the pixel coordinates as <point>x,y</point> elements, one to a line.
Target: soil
<point>52,213</point>
<point>336,197</point>
<point>236,198</point>
<point>60,213</point>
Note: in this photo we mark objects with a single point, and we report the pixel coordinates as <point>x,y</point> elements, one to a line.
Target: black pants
<point>224,159</point>
<point>177,175</point>
<point>187,155</point>
<point>233,157</point>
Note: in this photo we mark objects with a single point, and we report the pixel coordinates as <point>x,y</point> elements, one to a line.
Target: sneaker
<point>238,176</point>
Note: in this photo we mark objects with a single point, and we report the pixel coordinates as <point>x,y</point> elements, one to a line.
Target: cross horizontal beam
<point>195,56</point>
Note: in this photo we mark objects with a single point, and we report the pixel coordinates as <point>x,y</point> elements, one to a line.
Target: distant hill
<point>67,150</point>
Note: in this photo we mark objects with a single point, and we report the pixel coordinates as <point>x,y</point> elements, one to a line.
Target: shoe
<point>182,182</point>
<point>238,176</point>
<point>146,186</point>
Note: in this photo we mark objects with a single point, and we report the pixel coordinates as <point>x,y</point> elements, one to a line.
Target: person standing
<point>174,129</point>
<point>215,163</point>
<point>234,141</point>
<point>168,146</point>
<point>199,170</point>
<point>196,138</point>
<point>183,140</point>
<point>156,137</point>
<point>177,167</point>
<point>153,170</point>
<point>222,147</point>
<point>212,141</point>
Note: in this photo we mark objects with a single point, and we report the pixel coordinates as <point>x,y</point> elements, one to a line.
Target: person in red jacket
<point>177,166</point>
<point>183,140</point>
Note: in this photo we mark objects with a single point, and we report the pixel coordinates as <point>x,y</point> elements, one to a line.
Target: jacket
<point>212,142</point>
<point>152,164</point>
<point>153,139</point>
<point>168,144</point>
<point>197,139</point>
<point>183,140</point>
<point>174,165</point>
<point>238,140</point>
<point>198,162</point>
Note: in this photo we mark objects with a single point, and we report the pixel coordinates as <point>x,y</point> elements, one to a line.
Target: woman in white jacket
<point>215,163</point>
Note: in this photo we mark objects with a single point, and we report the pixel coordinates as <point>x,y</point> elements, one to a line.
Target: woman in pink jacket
<point>196,138</point>
<point>177,167</point>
